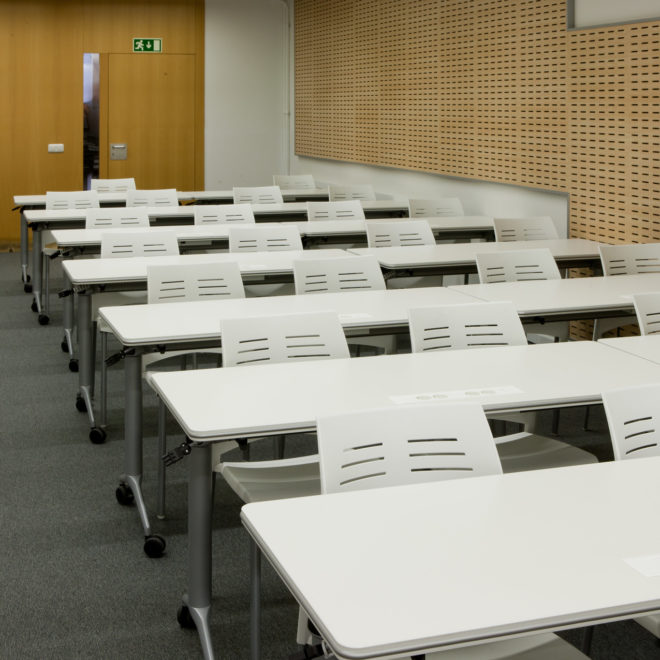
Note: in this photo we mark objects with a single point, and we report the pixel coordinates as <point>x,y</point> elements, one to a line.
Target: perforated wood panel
<point>494,90</point>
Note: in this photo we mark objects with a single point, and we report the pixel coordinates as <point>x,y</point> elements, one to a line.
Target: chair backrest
<point>341,274</point>
<point>633,420</point>
<point>399,232</point>
<point>404,444</point>
<point>264,238</point>
<point>213,214</point>
<point>113,185</point>
<point>524,229</point>
<point>286,338</point>
<point>164,197</point>
<point>647,308</point>
<point>258,195</point>
<point>116,216</point>
<point>75,199</point>
<point>364,193</point>
<point>294,181</point>
<point>348,210</point>
<point>435,208</point>
<point>473,325</point>
<point>517,266</point>
<point>181,282</point>
<point>630,259</point>
<point>151,243</point>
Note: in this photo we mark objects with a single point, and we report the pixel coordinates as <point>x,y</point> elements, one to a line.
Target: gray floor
<point>75,581</point>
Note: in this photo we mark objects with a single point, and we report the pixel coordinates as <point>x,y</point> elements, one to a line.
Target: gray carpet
<point>76,583</point>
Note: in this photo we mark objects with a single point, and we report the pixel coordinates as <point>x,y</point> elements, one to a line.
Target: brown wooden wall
<point>41,47</point>
<point>495,90</point>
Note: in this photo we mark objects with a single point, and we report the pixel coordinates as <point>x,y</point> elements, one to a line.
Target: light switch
<point>55,148</point>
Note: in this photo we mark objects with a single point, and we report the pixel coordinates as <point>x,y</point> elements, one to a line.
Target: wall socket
<point>55,148</point>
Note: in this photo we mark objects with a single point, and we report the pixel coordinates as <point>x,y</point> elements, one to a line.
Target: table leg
<point>200,487</point>
<point>68,312</point>
<point>36,269</point>
<point>24,254</point>
<point>255,601</point>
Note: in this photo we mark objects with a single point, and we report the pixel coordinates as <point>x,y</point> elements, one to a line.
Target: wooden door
<point>148,101</point>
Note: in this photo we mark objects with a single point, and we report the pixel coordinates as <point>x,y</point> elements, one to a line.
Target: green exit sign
<point>147,45</point>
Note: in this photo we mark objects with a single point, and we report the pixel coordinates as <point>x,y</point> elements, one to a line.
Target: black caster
<point>154,546</point>
<point>64,346</point>
<point>43,319</point>
<point>34,307</point>
<point>97,435</point>
<point>184,618</point>
<point>81,406</point>
<point>27,288</point>
<point>73,366</point>
<point>124,495</point>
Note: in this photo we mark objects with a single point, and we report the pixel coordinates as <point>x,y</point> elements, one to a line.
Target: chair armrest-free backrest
<point>113,185</point>
<point>286,338</point>
<point>647,308</point>
<point>338,274</point>
<point>404,444</point>
<point>116,216</point>
<point>347,210</point>
<point>63,200</point>
<point>435,208</point>
<point>151,243</point>
<point>473,325</point>
<point>264,238</point>
<point>257,195</point>
<point>194,282</point>
<point>630,259</point>
<point>517,266</point>
<point>365,193</point>
<point>161,197</point>
<point>294,181</point>
<point>524,229</point>
<point>213,214</point>
<point>399,233</point>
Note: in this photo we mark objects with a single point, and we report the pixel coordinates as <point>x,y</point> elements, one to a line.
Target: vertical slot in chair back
<point>288,338</point>
<point>474,325</point>
<point>347,210</point>
<point>365,193</point>
<point>517,266</point>
<point>404,444</point>
<point>163,197</point>
<point>182,282</point>
<point>139,244</point>
<point>264,238</point>
<point>122,216</point>
<point>399,233</point>
<point>294,181</point>
<point>524,229</point>
<point>113,185</point>
<point>435,208</point>
<point>630,259</point>
<point>258,195</point>
<point>647,308</point>
<point>213,214</point>
<point>63,200</point>
<point>341,274</point>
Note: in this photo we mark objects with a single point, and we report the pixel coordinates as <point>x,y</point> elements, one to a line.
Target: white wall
<point>246,126</point>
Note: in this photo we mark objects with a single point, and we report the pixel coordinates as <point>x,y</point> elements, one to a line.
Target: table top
<point>136,325</point>
<point>289,397</point>
<point>464,253</point>
<point>399,571</point>
<point>579,294</point>
<point>647,347</point>
<point>134,269</point>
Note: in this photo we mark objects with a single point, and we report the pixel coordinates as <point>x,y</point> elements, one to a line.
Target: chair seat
<point>260,481</point>
<point>528,451</point>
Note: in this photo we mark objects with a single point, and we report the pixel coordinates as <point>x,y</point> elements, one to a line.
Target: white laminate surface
<point>647,347</point>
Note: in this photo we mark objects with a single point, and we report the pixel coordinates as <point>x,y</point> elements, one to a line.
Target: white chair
<point>113,185</point>
<point>540,228</point>
<point>517,266</point>
<point>435,208</point>
<point>162,197</point>
<point>213,214</point>
<point>365,193</point>
<point>647,309</point>
<point>630,259</point>
<point>264,238</point>
<point>119,216</point>
<point>399,233</point>
<point>348,210</point>
<point>480,325</point>
<point>294,181</point>
<point>634,424</point>
<point>258,195</point>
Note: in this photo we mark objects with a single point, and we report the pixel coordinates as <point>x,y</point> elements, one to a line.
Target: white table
<point>286,398</point>
<point>400,572</point>
<point>646,347</point>
<point>460,257</point>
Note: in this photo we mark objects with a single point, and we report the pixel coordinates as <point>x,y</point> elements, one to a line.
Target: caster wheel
<point>43,319</point>
<point>64,346</point>
<point>80,404</point>
<point>73,366</point>
<point>124,495</point>
<point>34,307</point>
<point>154,546</point>
<point>27,288</point>
<point>184,618</point>
<point>97,436</point>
